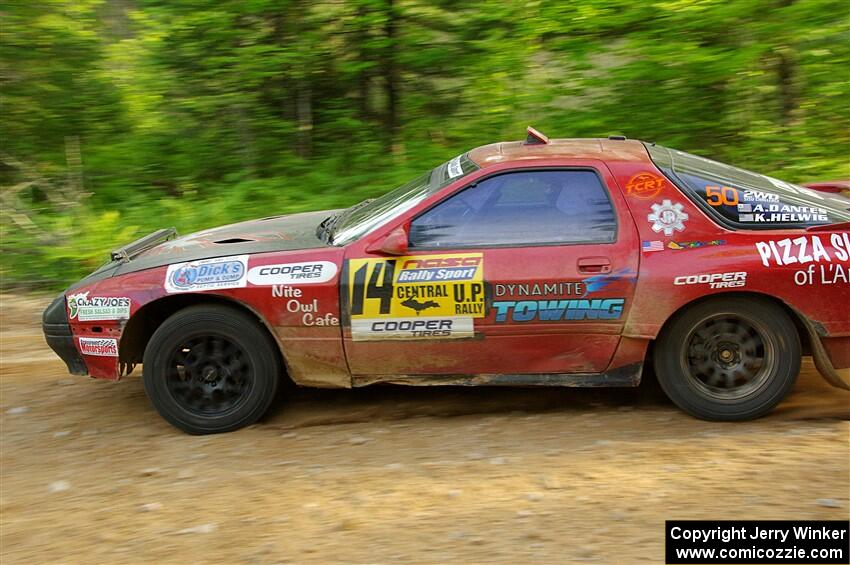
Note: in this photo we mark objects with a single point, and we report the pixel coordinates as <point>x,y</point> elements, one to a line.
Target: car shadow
<point>297,407</point>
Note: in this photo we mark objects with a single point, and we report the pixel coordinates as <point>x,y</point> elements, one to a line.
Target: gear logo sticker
<point>667,217</point>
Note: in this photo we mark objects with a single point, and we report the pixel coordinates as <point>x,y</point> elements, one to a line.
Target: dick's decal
<point>429,296</point>
<point>207,274</point>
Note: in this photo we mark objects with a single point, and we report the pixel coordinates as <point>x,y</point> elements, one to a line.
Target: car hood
<point>277,233</point>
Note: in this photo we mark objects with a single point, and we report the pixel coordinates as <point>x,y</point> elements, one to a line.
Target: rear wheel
<point>728,359</point>
<point>210,369</point>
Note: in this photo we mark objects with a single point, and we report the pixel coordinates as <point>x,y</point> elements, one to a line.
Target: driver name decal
<point>415,297</point>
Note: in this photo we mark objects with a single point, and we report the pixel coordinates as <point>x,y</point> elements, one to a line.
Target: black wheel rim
<point>209,375</point>
<point>728,356</point>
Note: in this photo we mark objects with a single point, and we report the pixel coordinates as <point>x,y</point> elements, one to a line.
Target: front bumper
<point>57,333</point>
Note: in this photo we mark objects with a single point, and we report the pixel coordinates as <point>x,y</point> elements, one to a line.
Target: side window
<point>744,199</point>
<point>759,207</point>
<point>521,208</point>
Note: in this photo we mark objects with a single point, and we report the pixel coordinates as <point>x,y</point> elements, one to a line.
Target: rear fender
<point>839,378</point>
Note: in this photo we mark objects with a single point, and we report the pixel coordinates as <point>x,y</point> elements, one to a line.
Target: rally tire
<point>728,359</point>
<point>211,369</point>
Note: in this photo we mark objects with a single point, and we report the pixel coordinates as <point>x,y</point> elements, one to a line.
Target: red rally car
<point>545,262</point>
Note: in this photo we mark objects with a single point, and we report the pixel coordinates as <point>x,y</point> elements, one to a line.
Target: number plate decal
<point>427,296</point>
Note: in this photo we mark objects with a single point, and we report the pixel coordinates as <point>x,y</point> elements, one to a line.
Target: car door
<point>525,271</point>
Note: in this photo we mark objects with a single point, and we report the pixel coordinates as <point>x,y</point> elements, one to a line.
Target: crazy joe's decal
<point>421,297</point>
<point>86,309</point>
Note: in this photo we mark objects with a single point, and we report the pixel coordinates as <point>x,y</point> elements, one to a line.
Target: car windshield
<point>362,218</point>
<point>743,199</point>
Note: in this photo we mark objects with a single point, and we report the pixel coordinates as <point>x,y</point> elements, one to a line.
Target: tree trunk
<point>364,109</point>
<point>304,112</point>
<point>392,82</point>
<point>787,98</point>
<point>785,76</point>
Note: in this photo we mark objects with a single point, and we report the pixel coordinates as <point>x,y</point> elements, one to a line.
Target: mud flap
<point>838,379</point>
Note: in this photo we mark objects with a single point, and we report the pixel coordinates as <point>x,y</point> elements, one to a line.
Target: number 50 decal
<point>721,195</point>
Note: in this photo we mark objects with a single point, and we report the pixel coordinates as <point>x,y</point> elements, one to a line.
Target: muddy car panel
<point>667,253</point>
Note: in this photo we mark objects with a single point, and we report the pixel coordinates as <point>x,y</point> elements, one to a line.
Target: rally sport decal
<point>423,297</point>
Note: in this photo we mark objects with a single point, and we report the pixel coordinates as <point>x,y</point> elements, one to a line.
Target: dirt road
<point>91,474</point>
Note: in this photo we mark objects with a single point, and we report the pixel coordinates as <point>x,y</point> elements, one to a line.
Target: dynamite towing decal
<point>563,301</point>
<point>208,274</point>
<point>416,297</point>
<point>86,309</point>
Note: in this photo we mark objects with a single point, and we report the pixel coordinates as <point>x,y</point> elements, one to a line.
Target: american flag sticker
<point>745,207</point>
<point>652,246</point>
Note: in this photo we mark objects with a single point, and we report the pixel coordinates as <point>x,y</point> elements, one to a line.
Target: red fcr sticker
<point>644,185</point>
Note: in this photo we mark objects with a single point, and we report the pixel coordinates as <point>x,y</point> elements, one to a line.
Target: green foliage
<point>122,117</point>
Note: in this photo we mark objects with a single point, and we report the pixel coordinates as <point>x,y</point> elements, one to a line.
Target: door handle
<point>594,265</point>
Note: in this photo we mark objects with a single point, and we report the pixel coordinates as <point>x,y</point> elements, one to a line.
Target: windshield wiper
<point>358,205</point>
<point>325,229</point>
<point>344,214</point>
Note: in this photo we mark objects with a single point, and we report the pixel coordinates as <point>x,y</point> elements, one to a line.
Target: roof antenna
<point>534,137</point>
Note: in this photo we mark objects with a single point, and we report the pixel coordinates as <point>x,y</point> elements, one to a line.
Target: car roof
<point>600,148</point>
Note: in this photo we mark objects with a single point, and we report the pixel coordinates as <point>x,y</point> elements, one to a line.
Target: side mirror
<point>394,243</point>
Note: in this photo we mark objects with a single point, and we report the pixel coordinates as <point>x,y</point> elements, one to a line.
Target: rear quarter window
<point>743,199</point>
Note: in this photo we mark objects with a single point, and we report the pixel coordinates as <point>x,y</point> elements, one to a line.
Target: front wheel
<point>210,369</point>
<point>728,359</point>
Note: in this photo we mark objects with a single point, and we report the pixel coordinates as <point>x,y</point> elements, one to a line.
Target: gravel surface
<point>91,474</point>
